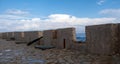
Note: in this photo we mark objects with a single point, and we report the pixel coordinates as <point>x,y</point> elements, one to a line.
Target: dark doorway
<point>64,43</point>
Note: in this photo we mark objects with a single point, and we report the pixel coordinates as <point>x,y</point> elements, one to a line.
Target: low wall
<point>10,35</point>
<point>32,35</point>
<point>19,36</point>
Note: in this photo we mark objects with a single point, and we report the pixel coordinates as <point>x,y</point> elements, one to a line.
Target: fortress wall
<point>48,37</point>
<point>65,37</point>
<point>19,36</point>
<point>4,35</point>
<point>10,35</point>
<point>80,47</point>
<point>0,35</point>
<point>32,35</point>
<point>101,38</point>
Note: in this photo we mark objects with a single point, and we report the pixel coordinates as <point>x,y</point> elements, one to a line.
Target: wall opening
<point>80,37</point>
<point>64,43</point>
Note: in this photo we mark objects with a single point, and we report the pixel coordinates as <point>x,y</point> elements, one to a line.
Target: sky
<point>30,15</point>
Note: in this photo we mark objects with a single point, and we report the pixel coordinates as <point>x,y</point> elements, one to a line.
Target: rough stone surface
<point>0,35</point>
<point>4,35</point>
<point>60,38</point>
<point>48,37</point>
<point>65,38</point>
<point>32,35</point>
<point>10,35</point>
<point>80,47</point>
<point>102,39</point>
<point>22,54</point>
<point>19,36</point>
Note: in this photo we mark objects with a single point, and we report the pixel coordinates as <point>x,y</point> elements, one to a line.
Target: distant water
<point>81,37</point>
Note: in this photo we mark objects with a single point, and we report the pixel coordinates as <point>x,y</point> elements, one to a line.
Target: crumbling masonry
<point>103,39</point>
<point>100,39</point>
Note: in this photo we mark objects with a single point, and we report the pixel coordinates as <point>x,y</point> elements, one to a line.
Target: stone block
<point>0,35</point>
<point>65,38</point>
<point>4,35</point>
<point>19,36</point>
<point>32,35</point>
<point>10,35</point>
<point>80,47</point>
<point>49,37</point>
<point>102,39</point>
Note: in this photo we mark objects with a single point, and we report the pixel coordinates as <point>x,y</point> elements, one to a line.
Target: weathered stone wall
<point>48,37</point>
<point>117,44</point>
<point>80,47</point>
<point>0,35</point>
<point>101,39</point>
<point>32,35</point>
<point>10,35</point>
<point>19,36</point>
<point>65,38</point>
<point>4,35</point>
<point>60,38</point>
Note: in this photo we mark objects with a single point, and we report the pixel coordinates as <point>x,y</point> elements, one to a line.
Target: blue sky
<point>24,15</point>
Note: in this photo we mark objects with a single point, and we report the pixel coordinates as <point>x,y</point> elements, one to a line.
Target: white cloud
<point>16,12</point>
<point>63,21</point>
<point>21,23</point>
<point>60,17</point>
<point>111,12</point>
<point>6,16</point>
<point>100,2</point>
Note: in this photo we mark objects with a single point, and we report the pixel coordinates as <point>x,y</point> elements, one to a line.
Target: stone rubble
<point>11,53</point>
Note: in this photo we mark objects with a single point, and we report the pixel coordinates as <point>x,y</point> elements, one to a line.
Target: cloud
<point>16,22</point>
<point>100,2</point>
<point>16,12</point>
<point>53,21</point>
<point>111,12</point>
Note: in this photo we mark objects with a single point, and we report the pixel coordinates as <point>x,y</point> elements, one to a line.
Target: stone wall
<point>80,47</point>
<point>48,37</point>
<point>10,35</point>
<point>60,38</point>
<point>65,38</point>
<point>0,35</point>
<point>117,44</point>
<point>32,35</point>
<point>19,36</point>
<point>4,35</point>
<point>101,39</point>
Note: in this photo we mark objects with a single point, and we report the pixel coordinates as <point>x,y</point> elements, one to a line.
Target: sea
<point>81,37</point>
